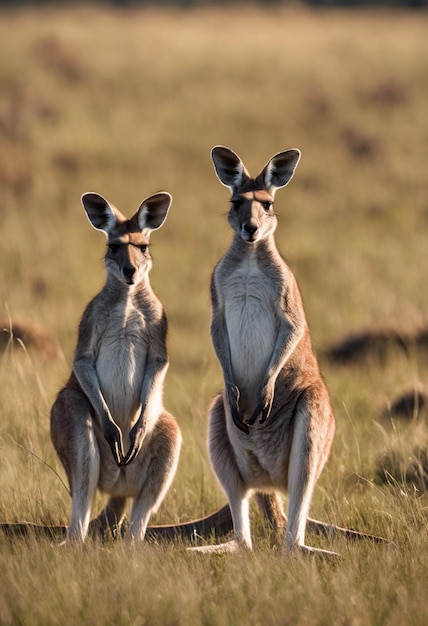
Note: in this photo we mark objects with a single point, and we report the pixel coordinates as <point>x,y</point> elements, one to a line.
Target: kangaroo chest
<point>121,359</point>
<point>251,313</point>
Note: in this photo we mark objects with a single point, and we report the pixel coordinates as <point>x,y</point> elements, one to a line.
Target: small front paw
<point>263,407</point>
<point>136,437</point>
<point>238,420</point>
<point>113,436</point>
<point>233,396</point>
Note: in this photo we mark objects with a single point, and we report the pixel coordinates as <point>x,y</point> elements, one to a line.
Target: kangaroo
<point>108,424</point>
<point>272,427</point>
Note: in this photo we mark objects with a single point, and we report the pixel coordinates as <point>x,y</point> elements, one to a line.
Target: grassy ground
<point>129,103</point>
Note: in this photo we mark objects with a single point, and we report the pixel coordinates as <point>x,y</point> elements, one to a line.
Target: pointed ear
<point>280,169</point>
<point>229,168</point>
<point>153,211</point>
<point>101,214</point>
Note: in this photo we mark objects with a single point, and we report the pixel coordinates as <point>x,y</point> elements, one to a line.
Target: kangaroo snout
<point>249,231</point>
<point>131,262</point>
<point>128,273</point>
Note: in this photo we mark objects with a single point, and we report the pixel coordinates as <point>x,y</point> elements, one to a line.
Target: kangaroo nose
<point>128,271</point>
<point>250,229</point>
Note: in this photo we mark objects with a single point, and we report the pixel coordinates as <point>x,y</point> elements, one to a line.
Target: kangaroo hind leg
<point>161,460</point>
<point>110,518</point>
<point>312,435</point>
<point>223,461</point>
<point>74,439</point>
<point>272,513</point>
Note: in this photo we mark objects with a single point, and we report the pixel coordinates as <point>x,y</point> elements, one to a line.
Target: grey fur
<point>108,424</point>
<point>271,429</point>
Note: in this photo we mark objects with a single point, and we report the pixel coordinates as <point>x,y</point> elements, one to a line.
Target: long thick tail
<point>24,529</point>
<point>321,528</point>
<point>218,524</point>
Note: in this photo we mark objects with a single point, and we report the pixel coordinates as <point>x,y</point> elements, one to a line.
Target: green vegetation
<point>127,103</point>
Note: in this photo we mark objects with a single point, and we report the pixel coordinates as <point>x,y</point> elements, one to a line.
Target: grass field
<point>127,103</point>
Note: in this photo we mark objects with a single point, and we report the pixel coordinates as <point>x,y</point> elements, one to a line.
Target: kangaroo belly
<point>120,366</point>
<point>251,328</point>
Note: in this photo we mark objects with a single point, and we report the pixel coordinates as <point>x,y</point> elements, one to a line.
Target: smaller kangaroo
<point>108,424</point>
<point>272,427</point>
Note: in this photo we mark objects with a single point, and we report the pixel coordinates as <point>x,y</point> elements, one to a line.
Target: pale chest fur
<point>120,360</point>
<point>250,306</point>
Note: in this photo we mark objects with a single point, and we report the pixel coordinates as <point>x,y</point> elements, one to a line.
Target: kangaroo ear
<point>101,214</point>
<point>229,168</point>
<point>153,211</point>
<point>280,169</point>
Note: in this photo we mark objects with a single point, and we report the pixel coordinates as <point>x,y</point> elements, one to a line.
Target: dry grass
<point>130,102</point>
<point>25,334</point>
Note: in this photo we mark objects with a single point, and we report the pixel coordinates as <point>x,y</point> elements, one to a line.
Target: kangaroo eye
<point>236,204</point>
<point>267,206</point>
<point>143,248</point>
<point>113,247</point>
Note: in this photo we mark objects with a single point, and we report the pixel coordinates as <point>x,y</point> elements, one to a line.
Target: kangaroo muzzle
<point>249,232</point>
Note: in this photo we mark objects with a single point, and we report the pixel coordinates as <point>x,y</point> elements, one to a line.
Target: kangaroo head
<point>251,215</point>
<point>127,257</point>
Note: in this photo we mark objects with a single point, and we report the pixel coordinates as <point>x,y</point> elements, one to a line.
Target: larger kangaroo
<point>272,427</point>
<point>108,424</point>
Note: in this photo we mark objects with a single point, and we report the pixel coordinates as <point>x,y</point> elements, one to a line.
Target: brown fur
<point>108,424</point>
<point>272,427</point>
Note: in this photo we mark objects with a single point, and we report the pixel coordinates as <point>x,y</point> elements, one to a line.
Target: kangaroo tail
<point>218,523</point>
